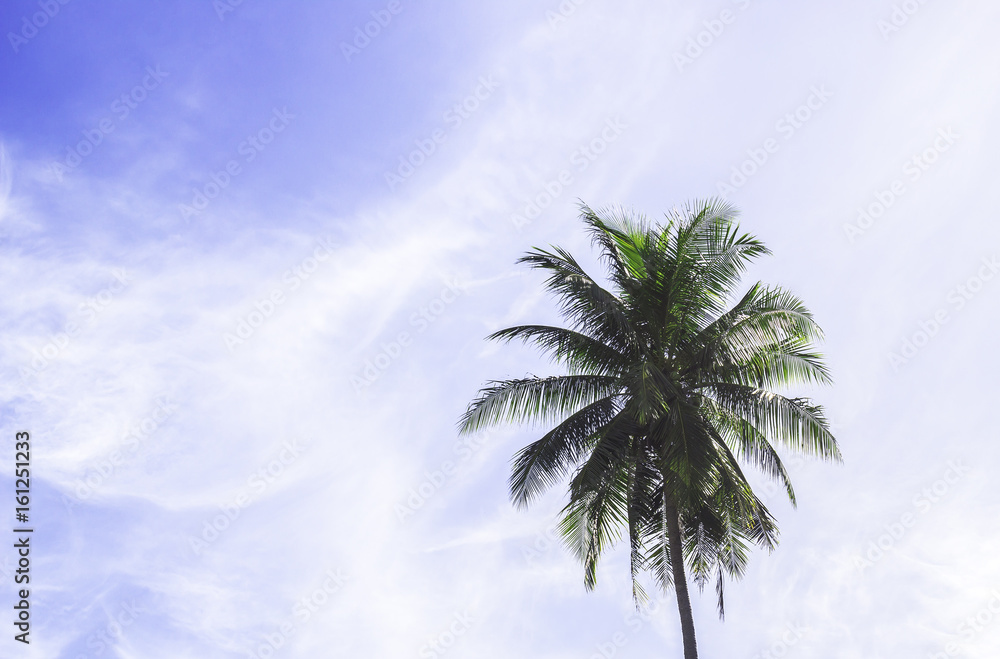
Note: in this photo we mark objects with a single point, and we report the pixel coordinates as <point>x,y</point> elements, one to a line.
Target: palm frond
<point>546,461</point>
<point>579,352</point>
<point>534,399</point>
<point>795,422</point>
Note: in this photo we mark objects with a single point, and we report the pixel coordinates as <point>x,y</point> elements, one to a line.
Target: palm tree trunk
<point>680,581</point>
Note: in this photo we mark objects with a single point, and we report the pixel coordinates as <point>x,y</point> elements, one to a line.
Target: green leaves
<point>579,352</point>
<point>534,399</point>
<point>794,422</point>
<point>668,391</point>
<point>591,309</point>
<point>546,461</point>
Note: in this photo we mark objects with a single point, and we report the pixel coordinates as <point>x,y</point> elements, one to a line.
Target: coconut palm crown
<point>671,388</point>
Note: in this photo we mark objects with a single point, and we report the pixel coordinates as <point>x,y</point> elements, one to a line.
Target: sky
<point>250,251</point>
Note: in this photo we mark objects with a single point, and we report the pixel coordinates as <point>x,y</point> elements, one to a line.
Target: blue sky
<point>249,258</point>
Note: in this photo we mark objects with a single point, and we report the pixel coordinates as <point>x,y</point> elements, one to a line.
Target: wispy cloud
<point>205,489</point>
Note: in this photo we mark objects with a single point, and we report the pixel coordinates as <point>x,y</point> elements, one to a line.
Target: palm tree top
<point>669,390</point>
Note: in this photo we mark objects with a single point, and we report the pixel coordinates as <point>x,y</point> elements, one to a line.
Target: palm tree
<point>669,391</point>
